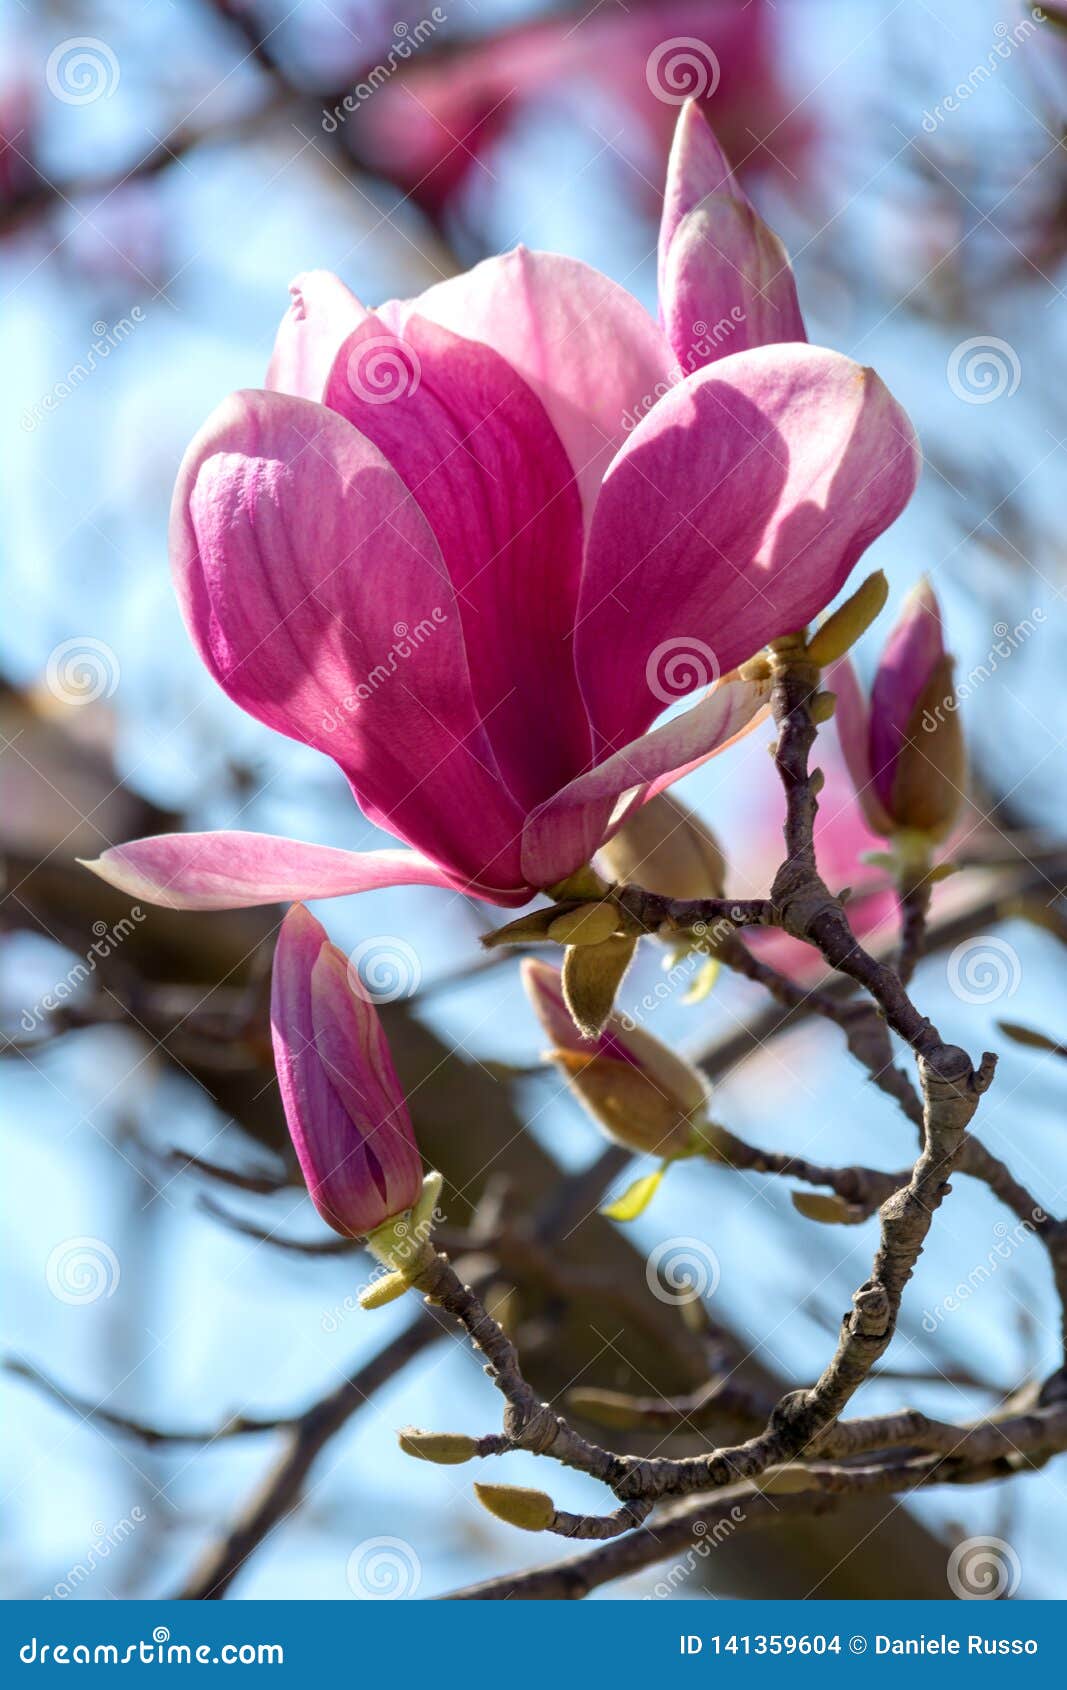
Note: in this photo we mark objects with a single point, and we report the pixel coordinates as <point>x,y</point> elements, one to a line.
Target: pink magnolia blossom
<point>436,548</point>
<point>347,1116</point>
<point>904,752</point>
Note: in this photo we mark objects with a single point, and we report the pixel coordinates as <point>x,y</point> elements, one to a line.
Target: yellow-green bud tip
<point>445,1449</point>
<point>530,1510</point>
<point>385,1289</point>
<point>844,626</point>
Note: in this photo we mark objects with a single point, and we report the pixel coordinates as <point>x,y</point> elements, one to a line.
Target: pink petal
<point>475,448</point>
<point>346,1115</point>
<point>318,598</point>
<point>322,313</point>
<point>591,353</point>
<point>853,732</point>
<point>566,831</point>
<point>912,651</point>
<point>725,281</point>
<point>733,514</point>
<point>231,871</point>
<point>350,1043</point>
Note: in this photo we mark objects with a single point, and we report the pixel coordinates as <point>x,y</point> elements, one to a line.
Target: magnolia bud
<point>905,752</point>
<point>589,924</point>
<point>666,849</point>
<point>346,1113</point>
<point>531,1510</point>
<point>844,626</point>
<point>640,1092</point>
<point>592,974</point>
<point>445,1449</point>
<point>629,1106</point>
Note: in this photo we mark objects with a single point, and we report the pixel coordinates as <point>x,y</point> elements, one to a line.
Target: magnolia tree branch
<point>804,1423</point>
<point>690,1531</point>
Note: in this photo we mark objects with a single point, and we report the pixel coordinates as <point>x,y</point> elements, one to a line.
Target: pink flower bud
<point>346,1114</point>
<point>905,753</point>
<point>637,1090</point>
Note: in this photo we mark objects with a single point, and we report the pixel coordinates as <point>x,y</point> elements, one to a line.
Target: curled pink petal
<point>230,871</point>
<point>319,600</point>
<point>725,280</point>
<point>474,446</point>
<point>323,311</point>
<point>566,831</point>
<point>733,514</point>
<point>591,353</point>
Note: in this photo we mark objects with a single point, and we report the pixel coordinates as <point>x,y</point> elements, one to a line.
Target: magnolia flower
<point>437,547</point>
<point>346,1113</point>
<point>905,752</point>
